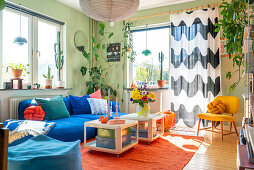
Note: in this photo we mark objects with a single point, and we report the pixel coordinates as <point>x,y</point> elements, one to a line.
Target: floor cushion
<point>42,152</point>
<point>70,129</point>
<point>94,117</point>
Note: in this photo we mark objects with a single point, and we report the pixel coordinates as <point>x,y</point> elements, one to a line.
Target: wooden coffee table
<point>118,136</point>
<point>151,120</point>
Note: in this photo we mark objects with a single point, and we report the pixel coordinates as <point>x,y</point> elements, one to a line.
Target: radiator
<point>14,104</point>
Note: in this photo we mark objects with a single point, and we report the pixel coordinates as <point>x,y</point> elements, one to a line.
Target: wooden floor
<point>214,154</point>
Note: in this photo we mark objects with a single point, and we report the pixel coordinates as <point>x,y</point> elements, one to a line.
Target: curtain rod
<point>167,13</point>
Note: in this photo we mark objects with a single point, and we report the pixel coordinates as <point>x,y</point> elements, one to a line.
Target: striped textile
<point>195,68</point>
<point>98,106</point>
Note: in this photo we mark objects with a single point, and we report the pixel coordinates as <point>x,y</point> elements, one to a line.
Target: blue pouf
<point>42,152</point>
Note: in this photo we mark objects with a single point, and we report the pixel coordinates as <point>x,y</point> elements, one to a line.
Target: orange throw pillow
<point>34,113</point>
<point>216,107</point>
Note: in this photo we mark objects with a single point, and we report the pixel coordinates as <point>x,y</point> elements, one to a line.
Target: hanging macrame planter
<point>146,52</point>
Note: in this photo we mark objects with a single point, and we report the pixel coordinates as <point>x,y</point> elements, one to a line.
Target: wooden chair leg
<point>235,128</point>
<point>4,135</point>
<point>230,127</point>
<point>212,125</point>
<point>221,126</point>
<point>199,120</point>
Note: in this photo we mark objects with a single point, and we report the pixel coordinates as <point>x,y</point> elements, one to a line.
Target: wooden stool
<point>20,85</point>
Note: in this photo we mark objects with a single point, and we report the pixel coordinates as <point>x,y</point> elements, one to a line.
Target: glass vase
<point>143,111</point>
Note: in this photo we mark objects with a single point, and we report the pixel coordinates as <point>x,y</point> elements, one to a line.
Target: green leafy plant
<point>97,73</point>
<point>48,76</point>
<point>233,23</point>
<point>127,43</point>
<point>59,58</point>
<point>19,66</point>
<point>2,4</point>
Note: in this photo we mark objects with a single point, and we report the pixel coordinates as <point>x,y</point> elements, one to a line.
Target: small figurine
<point>104,120</point>
<point>133,85</point>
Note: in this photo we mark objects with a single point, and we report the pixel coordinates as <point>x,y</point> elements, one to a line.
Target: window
<point>38,52</point>
<point>147,68</point>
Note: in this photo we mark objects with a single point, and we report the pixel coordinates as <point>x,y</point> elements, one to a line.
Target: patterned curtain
<point>195,63</point>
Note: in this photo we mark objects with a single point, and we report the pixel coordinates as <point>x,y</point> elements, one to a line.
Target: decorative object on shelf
<point>59,60</point>
<point>48,79</point>
<point>161,83</point>
<point>20,83</point>
<point>20,40</point>
<point>29,86</point>
<point>7,85</point>
<point>80,40</point>
<point>104,120</point>
<point>17,69</point>
<point>113,52</point>
<point>109,11</point>
<point>133,85</point>
<point>36,86</point>
<point>127,48</point>
<point>2,4</point>
<point>142,97</point>
<point>146,52</point>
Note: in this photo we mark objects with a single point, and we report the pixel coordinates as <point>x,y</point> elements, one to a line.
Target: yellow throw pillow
<point>216,107</point>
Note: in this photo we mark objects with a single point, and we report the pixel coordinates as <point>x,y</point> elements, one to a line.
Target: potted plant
<point>48,80</point>
<point>59,60</point>
<point>161,83</point>
<point>17,69</point>
<point>2,4</point>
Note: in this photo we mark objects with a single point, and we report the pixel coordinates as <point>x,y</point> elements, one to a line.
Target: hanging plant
<point>2,4</point>
<point>127,42</point>
<point>233,23</point>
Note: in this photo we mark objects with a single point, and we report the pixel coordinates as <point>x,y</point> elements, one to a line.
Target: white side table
<point>118,136</point>
<point>151,120</point>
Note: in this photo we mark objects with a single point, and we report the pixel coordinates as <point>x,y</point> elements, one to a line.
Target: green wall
<point>74,20</point>
<point>119,76</point>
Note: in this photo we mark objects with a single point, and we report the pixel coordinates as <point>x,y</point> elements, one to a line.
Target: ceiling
<point>144,4</point>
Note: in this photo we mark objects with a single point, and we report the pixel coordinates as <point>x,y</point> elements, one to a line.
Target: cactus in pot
<point>48,79</point>
<point>161,83</point>
<point>59,60</point>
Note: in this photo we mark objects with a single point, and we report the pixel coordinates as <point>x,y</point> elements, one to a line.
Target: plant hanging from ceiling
<point>2,4</point>
<point>98,74</point>
<point>146,52</point>
<point>233,23</point>
<point>128,43</point>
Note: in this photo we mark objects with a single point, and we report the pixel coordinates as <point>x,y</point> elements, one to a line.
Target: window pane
<point>47,37</point>
<point>13,53</point>
<point>147,68</point>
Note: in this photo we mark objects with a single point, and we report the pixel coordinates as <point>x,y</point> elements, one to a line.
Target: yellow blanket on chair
<point>216,107</point>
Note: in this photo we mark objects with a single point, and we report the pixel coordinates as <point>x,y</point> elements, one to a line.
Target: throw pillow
<point>80,105</point>
<point>54,108</point>
<point>216,107</point>
<point>96,95</point>
<point>98,106</point>
<point>34,113</point>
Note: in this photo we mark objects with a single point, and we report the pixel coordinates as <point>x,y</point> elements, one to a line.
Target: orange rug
<point>170,152</point>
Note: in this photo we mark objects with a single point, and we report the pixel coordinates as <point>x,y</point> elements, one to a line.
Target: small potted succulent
<point>161,83</point>
<point>48,79</point>
<point>17,69</point>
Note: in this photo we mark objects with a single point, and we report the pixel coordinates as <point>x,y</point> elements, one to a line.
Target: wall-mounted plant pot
<point>60,84</point>
<point>161,83</point>
<point>17,73</point>
<point>48,84</point>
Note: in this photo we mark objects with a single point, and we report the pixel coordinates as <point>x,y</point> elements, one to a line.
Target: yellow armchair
<point>232,104</point>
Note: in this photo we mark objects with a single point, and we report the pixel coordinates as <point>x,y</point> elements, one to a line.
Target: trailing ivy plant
<point>233,23</point>
<point>2,5</point>
<point>97,73</point>
<point>127,43</point>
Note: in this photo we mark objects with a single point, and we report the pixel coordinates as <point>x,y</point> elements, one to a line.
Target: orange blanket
<point>34,113</point>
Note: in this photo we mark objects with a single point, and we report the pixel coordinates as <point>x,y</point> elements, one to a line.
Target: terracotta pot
<point>17,73</point>
<point>48,84</point>
<point>161,83</point>
<point>60,84</point>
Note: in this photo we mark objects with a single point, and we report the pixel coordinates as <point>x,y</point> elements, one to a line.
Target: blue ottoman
<point>42,152</point>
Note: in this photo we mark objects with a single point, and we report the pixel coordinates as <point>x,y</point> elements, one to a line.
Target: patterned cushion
<point>98,106</point>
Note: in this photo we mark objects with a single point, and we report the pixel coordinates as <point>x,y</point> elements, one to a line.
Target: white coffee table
<point>151,120</point>
<point>118,136</point>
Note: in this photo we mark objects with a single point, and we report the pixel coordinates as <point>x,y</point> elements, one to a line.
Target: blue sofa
<point>68,129</point>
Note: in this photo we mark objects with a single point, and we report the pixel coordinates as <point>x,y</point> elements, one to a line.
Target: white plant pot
<point>60,84</point>
<point>48,84</point>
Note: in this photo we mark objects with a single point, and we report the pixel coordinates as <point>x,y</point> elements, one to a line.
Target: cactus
<point>49,76</point>
<point>59,58</point>
<point>161,59</point>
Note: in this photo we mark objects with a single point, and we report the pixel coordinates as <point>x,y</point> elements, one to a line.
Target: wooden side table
<point>118,136</point>
<point>151,120</point>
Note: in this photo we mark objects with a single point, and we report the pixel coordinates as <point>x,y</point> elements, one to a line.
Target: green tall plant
<point>161,59</point>
<point>233,23</point>
<point>59,58</point>
<point>48,76</point>
<point>2,4</point>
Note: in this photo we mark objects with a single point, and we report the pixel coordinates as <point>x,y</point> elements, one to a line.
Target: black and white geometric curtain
<point>195,63</point>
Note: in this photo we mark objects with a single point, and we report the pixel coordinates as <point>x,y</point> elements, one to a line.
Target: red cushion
<point>34,113</point>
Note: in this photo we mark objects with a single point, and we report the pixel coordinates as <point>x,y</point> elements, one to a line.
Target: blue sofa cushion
<point>67,103</point>
<point>42,152</point>
<point>71,129</point>
<point>94,117</point>
<point>80,105</point>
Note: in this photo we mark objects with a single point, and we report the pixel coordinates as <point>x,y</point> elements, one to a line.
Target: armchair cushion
<point>215,117</point>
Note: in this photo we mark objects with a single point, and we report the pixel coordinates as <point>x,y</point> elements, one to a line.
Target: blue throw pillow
<point>54,108</point>
<point>67,102</point>
<point>80,105</point>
